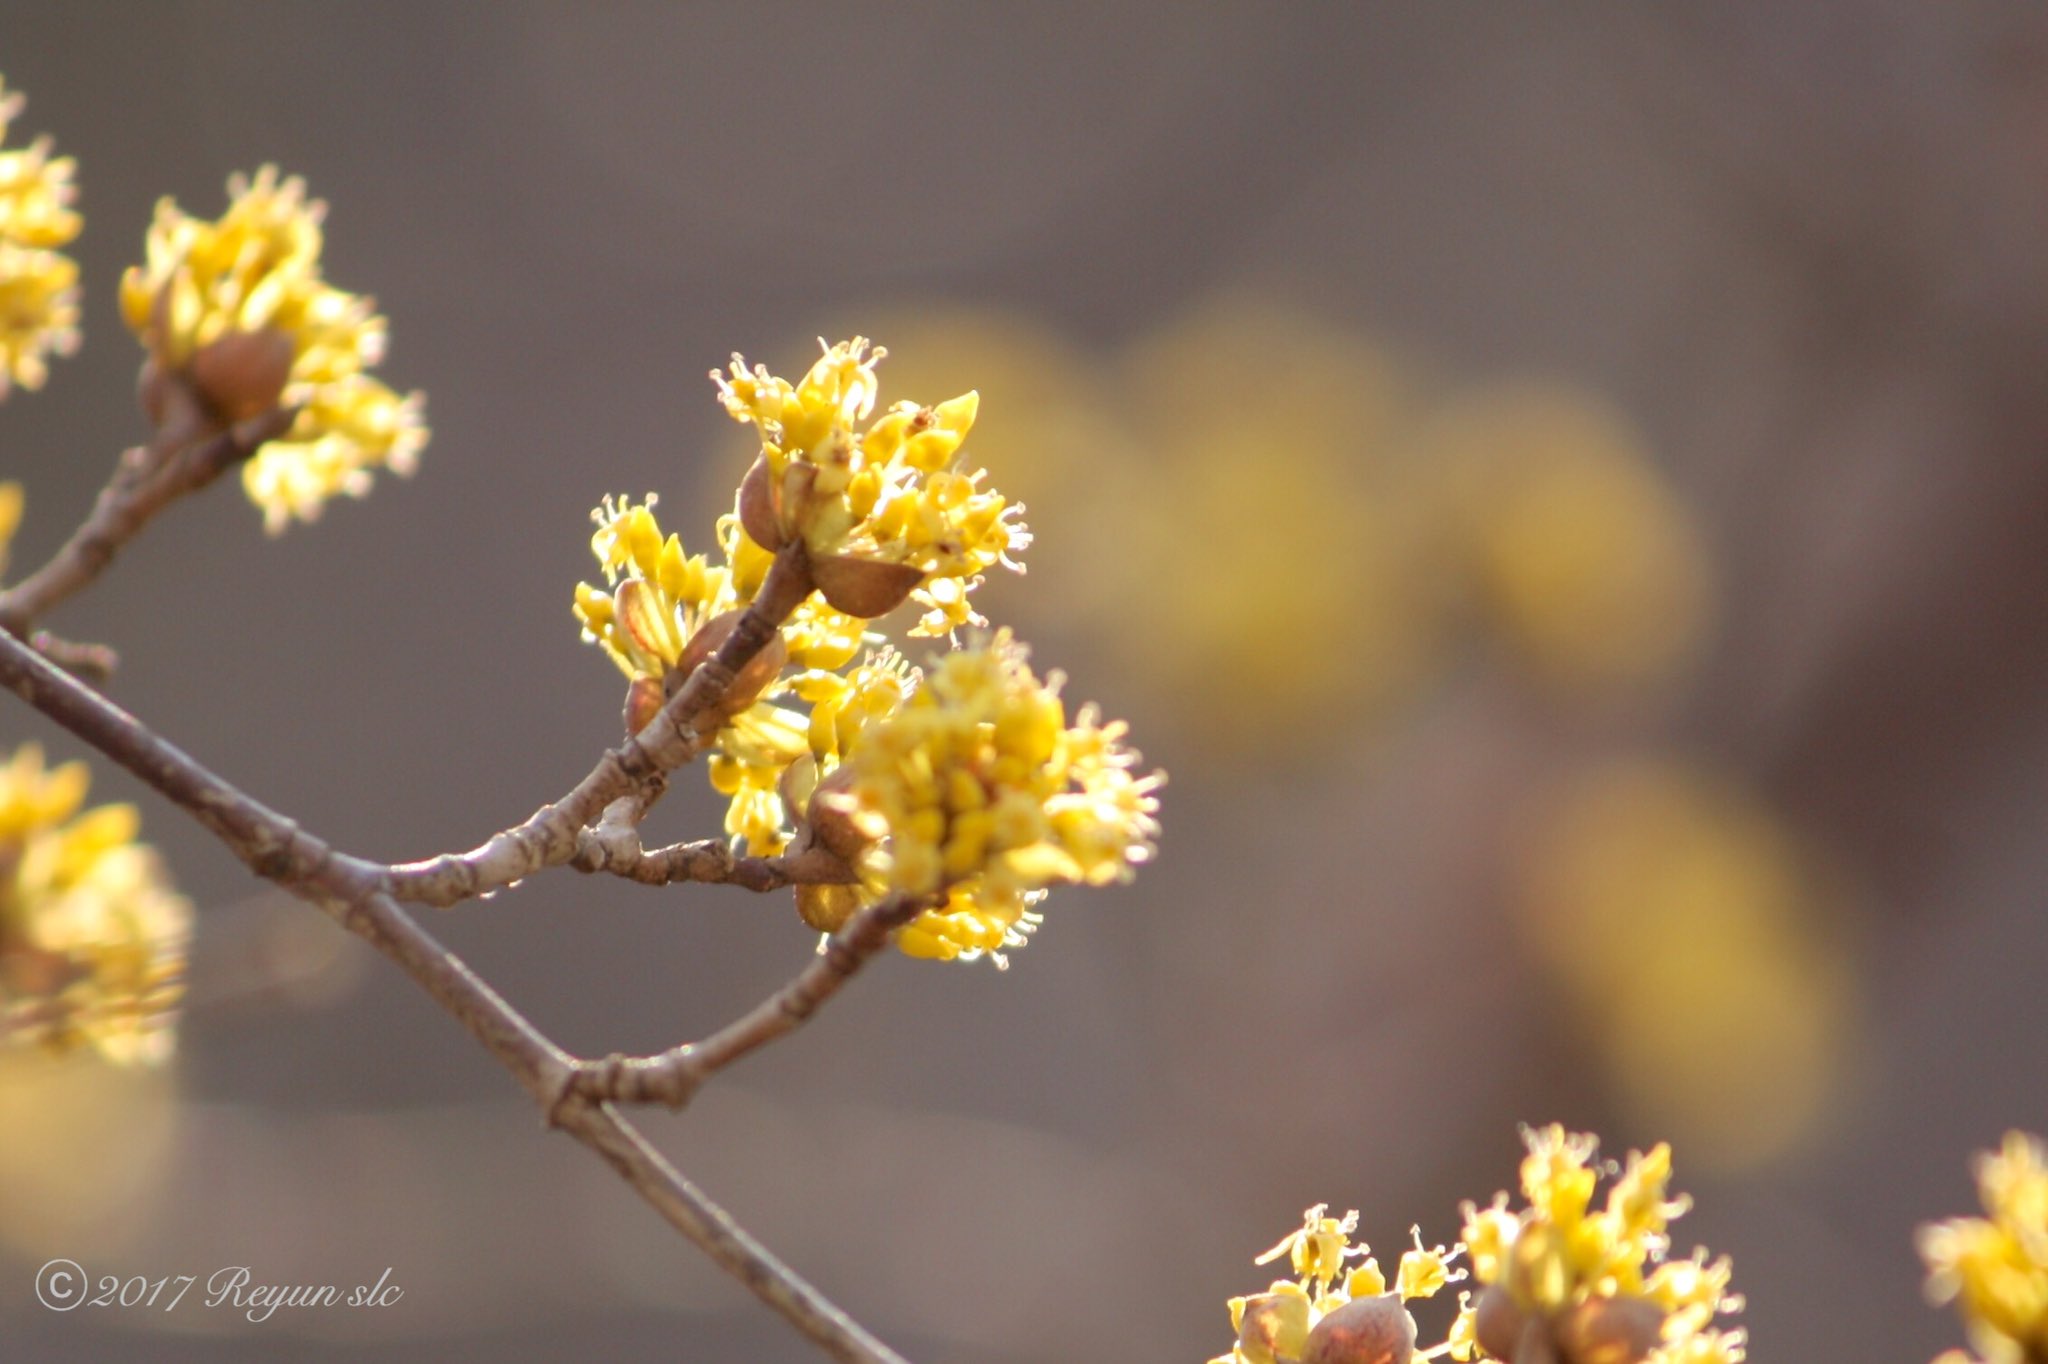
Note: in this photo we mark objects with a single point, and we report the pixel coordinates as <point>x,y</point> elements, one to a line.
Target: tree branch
<point>550,836</point>
<point>147,479</point>
<point>673,1077</point>
<point>709,860</point>
<point>352,892</point>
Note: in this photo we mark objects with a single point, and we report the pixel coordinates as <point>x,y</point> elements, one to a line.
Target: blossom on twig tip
<point>237,310</point>
<point>882,511</point>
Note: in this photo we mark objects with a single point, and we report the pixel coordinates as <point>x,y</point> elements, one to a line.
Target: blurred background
<point>1563,492</point>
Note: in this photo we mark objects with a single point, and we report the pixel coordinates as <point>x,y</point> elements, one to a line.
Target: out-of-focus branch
<point>352,893</point>
<point>674,1076</point>
<point>95,663</point>
<point>147,479</point>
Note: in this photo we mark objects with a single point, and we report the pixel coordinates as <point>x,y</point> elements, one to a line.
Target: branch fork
<point>594,827</point>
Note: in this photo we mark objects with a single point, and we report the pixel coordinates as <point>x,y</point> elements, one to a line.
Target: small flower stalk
<point>38,282</point>
<point>239,323</point>
<point>92,937</point>
<point>1334,1312</point>
<point>1562,1281</point>
<point>1995,1267</point>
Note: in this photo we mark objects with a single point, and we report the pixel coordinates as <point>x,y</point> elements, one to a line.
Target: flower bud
<point>832,821</point>
<point>863,587</point>
<point>1534,1345</point>
<point>1273,1326</point>
<point>1497,1321</point>
<point>1610,1330</point>
<point>1375,1330</point>
<point>749,682</point>
<point>243,374</point>
<point>757,507</point>
<point>644,696</point>
<point>828,907</point>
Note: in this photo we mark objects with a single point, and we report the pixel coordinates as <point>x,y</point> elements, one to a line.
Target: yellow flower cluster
<point>1996,1268</point>
<point>866,501</point>
<point>663,611</point>
<point>38,283</point>
<point>978,787</point>
<point>1330,1313</point>
<point>1594,1283</point>
<point>968,785</point>
<point>238,311</point>
<point>92,938</point>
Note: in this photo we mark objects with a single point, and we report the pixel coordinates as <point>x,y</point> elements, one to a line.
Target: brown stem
<point>708,860</point>
<point>349,891</point>
<point>94,663</point>
<point>550,836</point>
<point>147,479</point>
<point>672,1077</point>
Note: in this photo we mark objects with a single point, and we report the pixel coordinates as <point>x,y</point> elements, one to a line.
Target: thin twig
<point>549,837</point>
<point>708,860</point>
<point>672,1077</point>
<point>94,663</point>
<point>349,891</point>
<point>147,479</point>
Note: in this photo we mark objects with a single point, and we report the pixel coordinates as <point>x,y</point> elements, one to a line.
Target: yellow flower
<point>1996,1268</point>
<point>977,786</point>
<point>1594,1277</point>
<point>1319,1247</point>
<point>38,314</point>
<point>1580,553</point>
<point>238,311</point>
<point>866,500</point>
<point>1291,1319</point>
<point>10,517</point>
<point>659,597</point>
<point>36,192</point>
<point>843,705</point>
<point>38,284</point>
<point>92,938</point>
<point>663,614</point>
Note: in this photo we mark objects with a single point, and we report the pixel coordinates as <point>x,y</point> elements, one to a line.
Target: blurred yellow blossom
<point>977,786</point>
<point>92,938</point>
<point>1574,547</point>
<point>238,312</point>
<point>1679,919</point>
<point>88,1153</point>
<point>1333,1312</point>
<point>1283,553</point>
<point>1592,1282</point>
<point>883,511</point>
<point>38,283</point>
<point>10,519</point>
<point>1996,1268</point>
